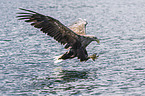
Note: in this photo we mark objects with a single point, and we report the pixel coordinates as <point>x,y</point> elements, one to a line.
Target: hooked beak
<point>98,41</point>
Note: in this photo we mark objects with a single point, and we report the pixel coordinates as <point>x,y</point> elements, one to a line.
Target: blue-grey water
<point>27,56</point>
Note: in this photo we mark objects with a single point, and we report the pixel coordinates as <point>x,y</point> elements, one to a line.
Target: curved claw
<point>94,56</point>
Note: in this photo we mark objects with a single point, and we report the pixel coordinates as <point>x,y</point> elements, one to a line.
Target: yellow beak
<point>98,41</point>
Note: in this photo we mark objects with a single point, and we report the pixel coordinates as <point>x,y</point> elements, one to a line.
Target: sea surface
<point>27,56</point>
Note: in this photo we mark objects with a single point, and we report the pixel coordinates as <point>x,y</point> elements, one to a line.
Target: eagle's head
<point>93,38</point>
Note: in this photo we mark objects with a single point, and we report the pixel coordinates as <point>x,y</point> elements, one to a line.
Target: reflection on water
<point>71,75</point>
<point>60,80</point>
<point>66,82</point>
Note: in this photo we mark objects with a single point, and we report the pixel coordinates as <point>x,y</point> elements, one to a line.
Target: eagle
<point>72,37</point>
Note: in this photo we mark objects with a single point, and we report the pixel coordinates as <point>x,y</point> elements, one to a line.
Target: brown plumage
<point>60,33</point>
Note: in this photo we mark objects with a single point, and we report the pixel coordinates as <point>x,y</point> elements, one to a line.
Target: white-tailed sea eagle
<point>73,37</point>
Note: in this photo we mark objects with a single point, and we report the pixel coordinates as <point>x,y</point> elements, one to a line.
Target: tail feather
<point>68,55</point>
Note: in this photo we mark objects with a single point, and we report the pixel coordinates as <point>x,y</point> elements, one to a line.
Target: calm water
<point>27,55</point>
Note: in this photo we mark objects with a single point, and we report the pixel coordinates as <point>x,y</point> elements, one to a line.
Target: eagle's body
<point>73,38</point>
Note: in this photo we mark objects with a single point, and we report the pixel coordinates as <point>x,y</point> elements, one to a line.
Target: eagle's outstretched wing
<point>79,26</point>
<point>51,27</point>
<point>57,30</point>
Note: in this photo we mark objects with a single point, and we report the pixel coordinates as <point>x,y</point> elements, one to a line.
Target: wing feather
<point>50,26</point>
<point>79,27</point>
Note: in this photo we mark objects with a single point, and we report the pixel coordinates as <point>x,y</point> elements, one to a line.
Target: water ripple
<point>27,55</point>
